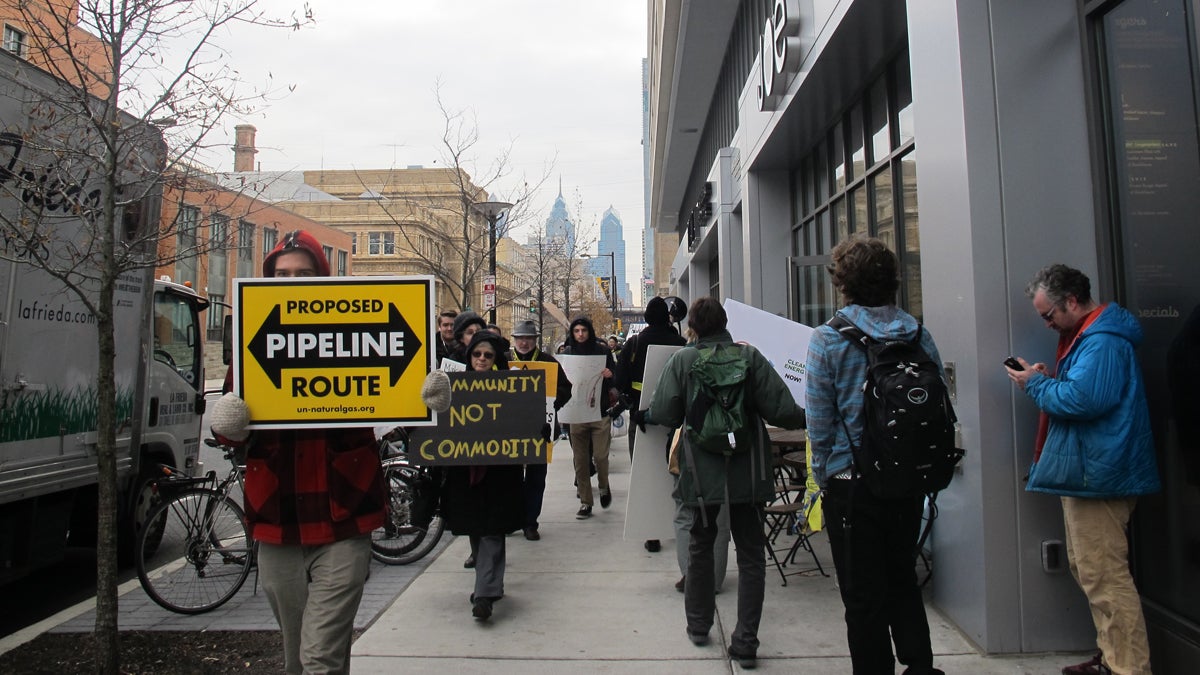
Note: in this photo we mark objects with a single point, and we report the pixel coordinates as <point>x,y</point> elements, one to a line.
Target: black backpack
<point>907,445</point>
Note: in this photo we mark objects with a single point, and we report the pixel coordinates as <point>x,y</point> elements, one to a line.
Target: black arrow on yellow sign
<point>390,344</point>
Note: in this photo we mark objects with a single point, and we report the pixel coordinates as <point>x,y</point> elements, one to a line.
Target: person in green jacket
<point>744,479</point>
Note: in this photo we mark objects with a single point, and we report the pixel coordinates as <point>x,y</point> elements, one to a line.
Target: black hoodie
<point>631,364</point>
<point>593,346</point>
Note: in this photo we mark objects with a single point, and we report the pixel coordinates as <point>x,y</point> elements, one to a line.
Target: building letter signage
<point>780,53</point>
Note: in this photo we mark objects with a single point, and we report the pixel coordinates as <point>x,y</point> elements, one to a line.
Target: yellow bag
<point>814,518</point>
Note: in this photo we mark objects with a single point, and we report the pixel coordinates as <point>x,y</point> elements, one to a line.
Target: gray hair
<point>1060,282</point>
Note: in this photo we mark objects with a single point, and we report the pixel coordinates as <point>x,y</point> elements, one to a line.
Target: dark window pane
<point>826,235</point>
<point>837,159</point>
<point>840,220</point>
<point>904,107</point>
<point>885,212</point>
<point>908,187</point>
<point>821,174</point>
<point>858,156</point>
<point>858,214</point>
<point>881,144</point>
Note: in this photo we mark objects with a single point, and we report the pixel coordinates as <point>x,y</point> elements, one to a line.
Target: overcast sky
<point>558,79</point>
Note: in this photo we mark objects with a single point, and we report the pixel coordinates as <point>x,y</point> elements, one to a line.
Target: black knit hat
<point>466,319</point>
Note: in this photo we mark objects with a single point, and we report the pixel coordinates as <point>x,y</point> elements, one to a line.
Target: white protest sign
<point>587,400</point>
<point>783,341</point>
<point>650,513</point>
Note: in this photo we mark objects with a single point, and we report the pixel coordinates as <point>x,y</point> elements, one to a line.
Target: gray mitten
<point>435,393</point>
<point>230,417</point>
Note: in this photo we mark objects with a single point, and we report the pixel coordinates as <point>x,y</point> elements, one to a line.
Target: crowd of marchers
<point>313,523</point>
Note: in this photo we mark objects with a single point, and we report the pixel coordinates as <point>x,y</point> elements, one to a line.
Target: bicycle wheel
<point>205,552</point>
<point>399,542</point>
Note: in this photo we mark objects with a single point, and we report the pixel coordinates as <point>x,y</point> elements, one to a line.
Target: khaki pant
<point>314,592</point>
<point>1098,551</point>
<point>597,436</point>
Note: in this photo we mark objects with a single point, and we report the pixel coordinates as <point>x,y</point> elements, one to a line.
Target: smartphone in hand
<point>1013,363</point>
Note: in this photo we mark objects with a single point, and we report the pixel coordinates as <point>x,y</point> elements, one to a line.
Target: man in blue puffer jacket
<point>1094,449</point>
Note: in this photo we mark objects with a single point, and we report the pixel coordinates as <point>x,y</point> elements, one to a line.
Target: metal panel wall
<point>1005,188</point>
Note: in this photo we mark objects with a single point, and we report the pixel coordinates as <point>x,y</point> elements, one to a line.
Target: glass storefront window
<point>842,195</point>
<point>1147,64</point>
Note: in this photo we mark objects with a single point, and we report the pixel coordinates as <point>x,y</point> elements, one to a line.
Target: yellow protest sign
<point>551,370</point>
<point>333,352</point>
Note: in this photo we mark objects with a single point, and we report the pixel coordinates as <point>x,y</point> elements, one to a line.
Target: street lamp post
<point>492,212</point>
<point>612,282</point>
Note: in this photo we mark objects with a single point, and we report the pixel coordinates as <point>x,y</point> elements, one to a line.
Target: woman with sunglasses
<point>485,502</point>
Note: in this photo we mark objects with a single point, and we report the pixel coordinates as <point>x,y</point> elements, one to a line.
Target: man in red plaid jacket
<point>312,497</point>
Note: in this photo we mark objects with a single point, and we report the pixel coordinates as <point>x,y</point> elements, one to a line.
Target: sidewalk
<point>584,600</point>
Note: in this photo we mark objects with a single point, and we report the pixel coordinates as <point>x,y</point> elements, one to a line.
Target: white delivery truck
<point>48,350</point>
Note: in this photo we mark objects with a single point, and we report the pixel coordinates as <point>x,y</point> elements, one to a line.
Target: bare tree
<point>83,207</point>
<point>441,225</point>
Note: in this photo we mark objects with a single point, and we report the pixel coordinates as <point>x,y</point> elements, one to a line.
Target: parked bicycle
<point>414,523</point>
<point>194,551</point>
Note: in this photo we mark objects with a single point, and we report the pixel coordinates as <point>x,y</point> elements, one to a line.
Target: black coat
<point>493,506</point>
<point>631,364</point>
<point>495,503</point>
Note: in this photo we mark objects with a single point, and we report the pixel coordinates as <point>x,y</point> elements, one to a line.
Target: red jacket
<point>313,486</point>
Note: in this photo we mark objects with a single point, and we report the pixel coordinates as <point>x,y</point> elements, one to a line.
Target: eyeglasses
<point>483,355</point>
<point>1049,315</point>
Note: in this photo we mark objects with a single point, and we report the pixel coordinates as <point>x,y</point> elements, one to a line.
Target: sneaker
<point>1094,666</point>
<point>482,609</point>
<point>698,639</point>
<point>679,585</point>
<point>531,534</point>
<point>653,545</point>
<point>584,511</point>
<point>747,661</point>
<point>605,499</point>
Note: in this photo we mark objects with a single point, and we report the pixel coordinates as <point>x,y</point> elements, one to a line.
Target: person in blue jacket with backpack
<point>873,539</point>
<point>1096,451</point>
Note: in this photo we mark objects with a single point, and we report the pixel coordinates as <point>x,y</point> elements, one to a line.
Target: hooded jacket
<point>592,346</point>
<point>834,374</point>
<point>1099,443</point>
<point>748,475</point>
<point>311,486</point>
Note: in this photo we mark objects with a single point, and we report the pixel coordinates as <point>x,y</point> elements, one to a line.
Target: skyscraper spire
<point>560,186</point>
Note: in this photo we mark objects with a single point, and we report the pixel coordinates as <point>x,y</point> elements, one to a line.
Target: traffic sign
<point>333,352</point>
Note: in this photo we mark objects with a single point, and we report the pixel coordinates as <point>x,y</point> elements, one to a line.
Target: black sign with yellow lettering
<point>495,417</point>
<point>333,352</point>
